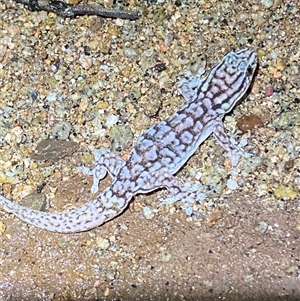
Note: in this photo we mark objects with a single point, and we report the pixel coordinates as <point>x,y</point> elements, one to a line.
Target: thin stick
<point>68,10</point>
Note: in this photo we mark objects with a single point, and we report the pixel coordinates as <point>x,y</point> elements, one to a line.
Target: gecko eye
<point>249,70</point>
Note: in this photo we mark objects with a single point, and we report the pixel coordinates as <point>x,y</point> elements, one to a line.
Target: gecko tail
<point>83,218</point>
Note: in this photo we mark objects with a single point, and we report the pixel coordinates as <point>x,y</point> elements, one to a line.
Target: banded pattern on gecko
<point>161,150</point>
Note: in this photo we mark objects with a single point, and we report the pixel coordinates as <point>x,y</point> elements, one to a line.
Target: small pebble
<point>61,130</point>
<point>267,3</point>
<point>289,164</point>
<point>249,122</point>
<point>85,61</point>
<point>121,137</point>
<point>54,150</point>
<point>232,184</point>
<point>74,1</point>
<point>159,67</point>
<point>8,112</point>
<point>111,120</point>
<point>148,213</point>
<point>102,243</point>
<point>269,91</point>
<point>51,96</point>
<point>106,292</point>
<point>4,178</point>
<point>35,200</point>
<point>34,95</point>
<point>2,228</point>
<point>262,227</point>
<point>286,192</point>
<point>132,54</point>
<point>166,257</point>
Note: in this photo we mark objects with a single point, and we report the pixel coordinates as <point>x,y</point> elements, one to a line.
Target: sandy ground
<point>246,243</point>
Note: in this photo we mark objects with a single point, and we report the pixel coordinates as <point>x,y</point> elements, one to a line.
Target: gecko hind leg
<point>106,162</point>
<point>176,191</point>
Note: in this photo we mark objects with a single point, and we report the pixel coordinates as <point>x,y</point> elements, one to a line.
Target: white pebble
<point>267,3</point>
<point>111,120</point>
<point>148,213</point>
<point>85,61</point>
<point>51,96</point>
<point>232,184</point>
<point>102,243</point>
<point>263,226</point>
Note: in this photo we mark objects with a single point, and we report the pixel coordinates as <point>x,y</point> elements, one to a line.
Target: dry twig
<point>68,10</point>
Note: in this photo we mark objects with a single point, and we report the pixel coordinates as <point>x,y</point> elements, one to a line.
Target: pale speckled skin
<point>161,151</point>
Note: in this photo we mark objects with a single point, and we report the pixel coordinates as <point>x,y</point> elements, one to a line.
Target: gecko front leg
<point>234,152</point>
<point>189,84</point>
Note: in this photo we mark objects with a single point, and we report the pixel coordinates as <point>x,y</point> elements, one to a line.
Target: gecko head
<point>243,61</point>
<point>233,76</point>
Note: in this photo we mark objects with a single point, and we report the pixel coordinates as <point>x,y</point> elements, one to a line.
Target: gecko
<point>161,151</point>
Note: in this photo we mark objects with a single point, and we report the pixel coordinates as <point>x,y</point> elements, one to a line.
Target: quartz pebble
<point>148,212</point>
<point>262,227</point>
<point>267,3</point>
<point>102,243</point>
<point>61,130</point>
<point>232,184</point>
